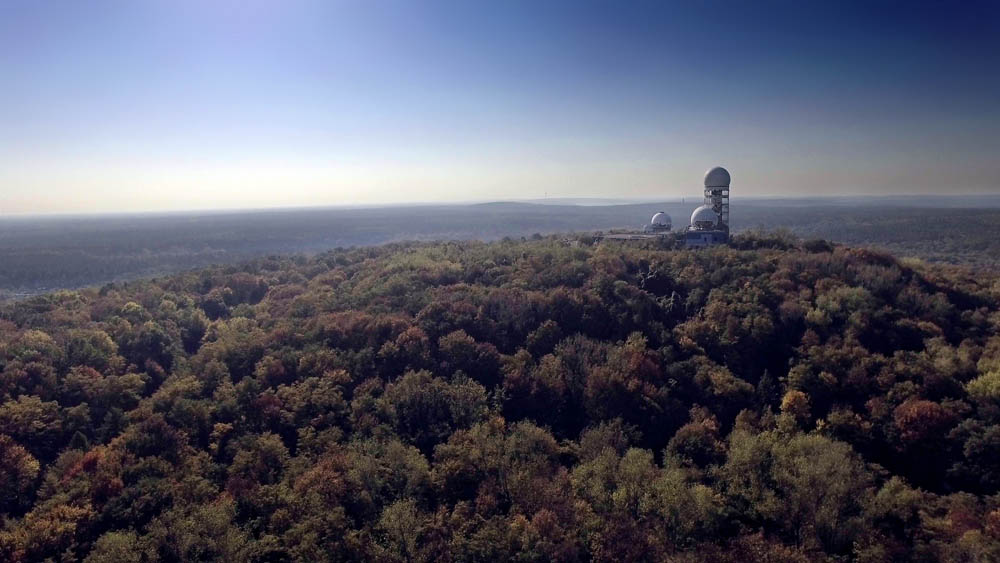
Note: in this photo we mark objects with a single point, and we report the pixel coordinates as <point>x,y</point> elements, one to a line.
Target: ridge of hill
<point>539,400</point>
<point>43,254</point>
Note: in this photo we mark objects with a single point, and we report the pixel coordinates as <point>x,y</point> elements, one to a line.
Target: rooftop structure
<point>704,218</point>
<point>660,223</point>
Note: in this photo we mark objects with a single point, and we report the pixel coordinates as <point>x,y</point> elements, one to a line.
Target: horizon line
<point>612,202</point>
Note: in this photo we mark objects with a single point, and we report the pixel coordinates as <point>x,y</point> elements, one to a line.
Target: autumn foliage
<point>543,400</point>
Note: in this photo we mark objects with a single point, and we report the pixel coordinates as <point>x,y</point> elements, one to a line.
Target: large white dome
<point>704,216</point>
<point>717,177</point>
<point>660,218</point>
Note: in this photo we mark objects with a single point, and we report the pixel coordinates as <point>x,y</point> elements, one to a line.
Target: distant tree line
<point>41,255</point>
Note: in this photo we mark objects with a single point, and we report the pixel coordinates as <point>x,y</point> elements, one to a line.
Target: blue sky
<point>148,105</point>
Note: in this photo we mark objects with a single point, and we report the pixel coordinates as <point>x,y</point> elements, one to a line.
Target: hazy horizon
<point>955,201</point>
<point>186,106</point>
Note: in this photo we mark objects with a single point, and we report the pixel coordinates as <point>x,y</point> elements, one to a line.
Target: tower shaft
<point>718,199</point>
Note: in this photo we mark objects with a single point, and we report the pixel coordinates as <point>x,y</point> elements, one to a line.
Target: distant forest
<point>43,254</point>
<point>539,400</point>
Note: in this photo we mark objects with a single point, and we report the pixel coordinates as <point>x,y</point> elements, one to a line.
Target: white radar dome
<point>704,217</point>
<point>717,177</point>
<point>660,218</point>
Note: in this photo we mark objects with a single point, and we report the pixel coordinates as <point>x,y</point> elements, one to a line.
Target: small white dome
<point>717,177</point>
<point>660,218</point>
<point>704,217</point>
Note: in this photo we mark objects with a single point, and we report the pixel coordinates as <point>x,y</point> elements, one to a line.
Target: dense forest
<point>773,400</point>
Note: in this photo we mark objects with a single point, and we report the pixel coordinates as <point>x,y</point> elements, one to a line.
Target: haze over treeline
<point>42,254</point>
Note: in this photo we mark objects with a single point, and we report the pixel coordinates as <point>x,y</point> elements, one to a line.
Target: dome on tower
<point>717,177</point>
<point>704,218</point>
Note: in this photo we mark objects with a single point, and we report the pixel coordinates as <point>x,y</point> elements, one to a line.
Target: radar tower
<point>717,195</point>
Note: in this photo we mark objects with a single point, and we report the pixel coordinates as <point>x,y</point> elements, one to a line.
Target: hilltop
<point>528,400</point>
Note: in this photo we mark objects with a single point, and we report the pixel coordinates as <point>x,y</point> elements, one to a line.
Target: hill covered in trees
<point>525,401</point>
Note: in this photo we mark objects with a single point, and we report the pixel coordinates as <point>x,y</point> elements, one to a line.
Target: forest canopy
<point>542,400</point>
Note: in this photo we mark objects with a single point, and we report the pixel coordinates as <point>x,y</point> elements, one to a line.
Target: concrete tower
<point>717,195</point>
<point>710,222</point>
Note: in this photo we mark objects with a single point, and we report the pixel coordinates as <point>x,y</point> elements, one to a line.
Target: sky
<point>143,105</point>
